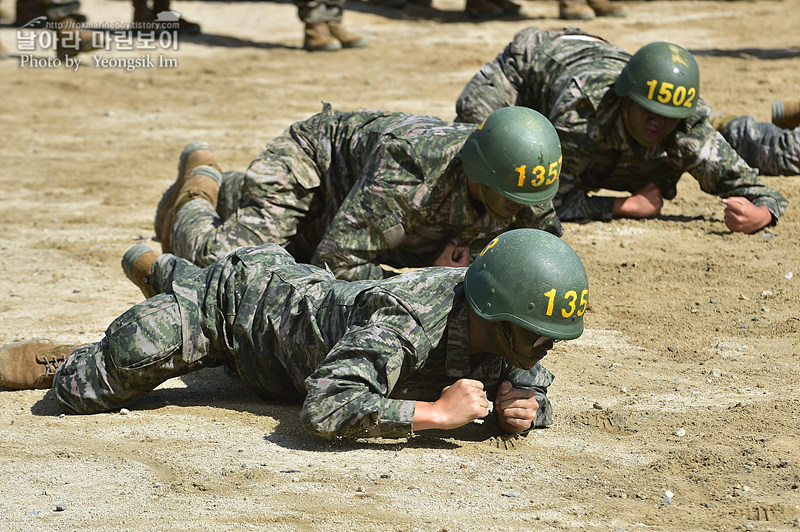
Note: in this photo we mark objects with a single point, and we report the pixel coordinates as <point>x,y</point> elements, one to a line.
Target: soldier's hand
<point>741,216</point>
<point>516,408</point>
<point>453,255</point>
<point>644,203</point>
<point>459,404</point>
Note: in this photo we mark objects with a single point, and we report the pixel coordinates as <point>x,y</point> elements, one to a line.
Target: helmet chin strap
<point>626,109</point>
<point>504,331</point>
<point>493,213</point>
<point>505,335</point>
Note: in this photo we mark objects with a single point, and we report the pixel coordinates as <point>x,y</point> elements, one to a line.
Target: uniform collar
<point>459,365</point>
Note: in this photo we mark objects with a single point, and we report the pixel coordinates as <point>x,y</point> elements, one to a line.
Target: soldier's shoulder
<point>425,286</point>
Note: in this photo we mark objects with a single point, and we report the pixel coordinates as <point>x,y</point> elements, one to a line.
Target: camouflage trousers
<point>202,233</point>
<point>772,150</point>
<point>266,204</point>
<point>311,11</point>
<point>178,332</point>
<point>141,349</point>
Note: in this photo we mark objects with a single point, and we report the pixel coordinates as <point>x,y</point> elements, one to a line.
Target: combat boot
<point>574,10</point>
<point>483,9</point>
<point>195,154</point>
<point>347,38</point>
<point>786,113</point>
<point>70,40</point>
<point>202,183</point>
<point>606,8</point>
<point>720,120</point>
<point>508,7</point>
<point>318,38</point>
<point>184,26</point>
<point>31,364</point>
<point>137,263</point>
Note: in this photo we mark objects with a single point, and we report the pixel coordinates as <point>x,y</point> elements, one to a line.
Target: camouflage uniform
<point>311,11</point>
<point>568,76</point>
<point>359,352</point>
<point>771,149</point>
<point>350,191</point>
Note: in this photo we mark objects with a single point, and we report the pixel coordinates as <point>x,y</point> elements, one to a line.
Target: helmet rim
<point>549,298</point>
<point>513,141</point>
<point>657,69</point>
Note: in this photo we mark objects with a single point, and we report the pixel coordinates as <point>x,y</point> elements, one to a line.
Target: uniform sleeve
<point>542,216</point>
<point>348,393</point>
<point>721,171</point>
<point>573,203</point>
<point>536,379</point>
<point>373,218</point>
<point>575,119</point>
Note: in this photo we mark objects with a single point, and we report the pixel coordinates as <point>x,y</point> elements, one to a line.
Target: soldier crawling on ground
<point>635,124</point>
<point>353,190</point>
<point>423,350</point>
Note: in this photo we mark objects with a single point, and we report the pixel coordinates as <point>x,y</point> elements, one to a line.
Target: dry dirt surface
<point>678,409</point>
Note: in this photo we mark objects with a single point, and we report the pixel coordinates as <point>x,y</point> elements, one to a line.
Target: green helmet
<point>515,152</point>
<point>663,78</point>
<point>530,278</point>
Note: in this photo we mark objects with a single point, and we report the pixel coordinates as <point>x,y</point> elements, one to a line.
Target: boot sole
<point>618,14</point>
<point>357,44</point>
<point>328,48</point>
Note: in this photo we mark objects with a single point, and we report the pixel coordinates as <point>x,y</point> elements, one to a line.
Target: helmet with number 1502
<point>517,153</point>
<point>530,278</point>
<point>663,78</point>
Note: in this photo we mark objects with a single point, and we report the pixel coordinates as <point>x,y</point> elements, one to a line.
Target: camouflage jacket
<point>568,76</point>
<point>359,353</point>
<point>394,192</point>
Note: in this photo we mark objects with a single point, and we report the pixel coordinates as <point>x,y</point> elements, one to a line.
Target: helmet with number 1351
<point>515,152</point>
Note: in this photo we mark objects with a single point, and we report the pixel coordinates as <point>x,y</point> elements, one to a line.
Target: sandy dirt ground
<point>686,380</point>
